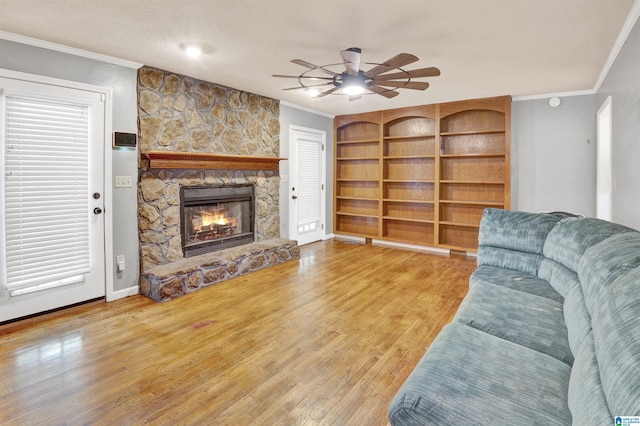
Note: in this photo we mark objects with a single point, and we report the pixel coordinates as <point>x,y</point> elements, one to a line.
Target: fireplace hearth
<point>216,217</point>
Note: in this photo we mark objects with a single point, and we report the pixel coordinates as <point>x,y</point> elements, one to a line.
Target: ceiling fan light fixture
<point>353,89</point>
<point>354,82</point>
<point>313,92</point>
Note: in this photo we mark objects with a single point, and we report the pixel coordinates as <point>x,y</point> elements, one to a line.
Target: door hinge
<point>322,226</point>
<point>103,97</point>
<point>323,147</point>
<point>323,186</point>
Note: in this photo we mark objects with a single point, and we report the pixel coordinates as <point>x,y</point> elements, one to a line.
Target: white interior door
<point>52,171</point>
<point>307,168</point>
<point>604,173</point>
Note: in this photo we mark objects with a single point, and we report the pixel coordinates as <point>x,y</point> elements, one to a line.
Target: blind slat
<point>46,191</point>
<point>309,171</point>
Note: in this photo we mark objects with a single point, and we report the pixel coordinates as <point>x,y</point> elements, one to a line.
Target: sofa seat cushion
<point>516,280</point>
<point>469,377</point>
<point>526,319</point>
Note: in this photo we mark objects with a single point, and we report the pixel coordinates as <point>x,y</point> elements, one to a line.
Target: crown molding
<point>18,38</point>
<point>631,20</point>
<point>312,111</point>
<point>552,95</point>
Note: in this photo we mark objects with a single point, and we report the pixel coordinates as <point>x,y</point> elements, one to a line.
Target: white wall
<point>553,155</point>
<point>623,85</point>
<point>122,81</point>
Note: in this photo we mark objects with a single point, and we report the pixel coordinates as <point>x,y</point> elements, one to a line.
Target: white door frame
<point>107,96</point>
<point>293,177</point>
<point>604,171</point>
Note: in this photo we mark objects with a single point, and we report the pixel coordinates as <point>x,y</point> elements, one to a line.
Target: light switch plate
<point>123,181</point>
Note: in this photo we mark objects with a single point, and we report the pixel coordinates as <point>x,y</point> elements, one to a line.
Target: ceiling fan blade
<point>351,58</point>
<point>421,72</point>
<point>313,67</point>
<point>382,91</point>
<point>327,92</point>
<point>301,76</point>
<point>306,87</point>
<point>416,85</point>
<point>399,60</point>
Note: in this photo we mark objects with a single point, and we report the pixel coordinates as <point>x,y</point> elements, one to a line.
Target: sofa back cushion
<point>561,278</point>
<point>572,237</point>
<point>509,259</point>
<point>576,318</point>
<point>586,399</point>
<point>616,335</point>
<point>514,240</point>
<point>605,262</point>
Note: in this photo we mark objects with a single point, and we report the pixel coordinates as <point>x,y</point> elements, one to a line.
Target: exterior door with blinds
<point>51,183</point>
<point>306,188</point>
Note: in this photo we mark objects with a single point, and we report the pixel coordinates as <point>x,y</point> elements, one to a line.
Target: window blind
<point>310,193</point>
<point>46,200</point>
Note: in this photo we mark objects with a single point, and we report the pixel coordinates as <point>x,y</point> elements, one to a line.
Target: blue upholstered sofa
<point>548,334</point>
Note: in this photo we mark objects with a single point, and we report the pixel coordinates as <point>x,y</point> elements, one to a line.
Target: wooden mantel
<point>196,160</point>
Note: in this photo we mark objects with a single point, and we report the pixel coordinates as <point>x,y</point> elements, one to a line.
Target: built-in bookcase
<point>422,175</point>
<point>409,174</point>
<point>357,175</point>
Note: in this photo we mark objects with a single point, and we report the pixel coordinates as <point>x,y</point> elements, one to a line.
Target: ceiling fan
<point>354,82</point>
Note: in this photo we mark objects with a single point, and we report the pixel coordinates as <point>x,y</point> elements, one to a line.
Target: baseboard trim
<point>328,237</point>
<point>121,294</point>
<point>361,240</point>
<point>411,247</point>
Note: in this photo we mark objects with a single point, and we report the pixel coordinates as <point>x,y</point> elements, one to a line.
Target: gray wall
<point>297,117</point>
<point>623,85</point>
<point>553,155</point>
<point>122,81</point>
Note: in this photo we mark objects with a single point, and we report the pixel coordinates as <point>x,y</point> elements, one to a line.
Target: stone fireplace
<point>215,217</point>
<point>216,132</point>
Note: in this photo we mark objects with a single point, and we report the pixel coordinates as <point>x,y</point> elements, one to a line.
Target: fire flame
<point>217,217</point>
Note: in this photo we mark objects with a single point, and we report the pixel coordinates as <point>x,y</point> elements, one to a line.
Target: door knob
<point>294,197</point>
<point>97,210</point>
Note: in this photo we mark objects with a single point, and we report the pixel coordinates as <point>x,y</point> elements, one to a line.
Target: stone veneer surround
<point>182,114</point>
<point>165,282</point>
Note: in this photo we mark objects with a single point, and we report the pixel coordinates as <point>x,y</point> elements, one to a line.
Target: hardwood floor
<point>326,340</point>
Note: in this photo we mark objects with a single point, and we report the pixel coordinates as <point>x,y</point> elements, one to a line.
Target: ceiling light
<point>353,90</point>
<point>193,51</point>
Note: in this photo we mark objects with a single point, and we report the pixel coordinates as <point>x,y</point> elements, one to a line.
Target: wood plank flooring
<point>326,340</point>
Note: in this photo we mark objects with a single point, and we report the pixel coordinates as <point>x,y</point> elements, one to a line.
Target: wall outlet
<point>120,262</point>
<point>124,181</point>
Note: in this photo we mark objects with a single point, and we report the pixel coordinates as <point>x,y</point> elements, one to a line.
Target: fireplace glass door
<point>214,218</point>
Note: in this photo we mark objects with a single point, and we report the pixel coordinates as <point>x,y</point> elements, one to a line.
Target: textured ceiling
<point>482,47</point>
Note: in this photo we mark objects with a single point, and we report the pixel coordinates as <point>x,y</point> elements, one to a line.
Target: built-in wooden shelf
<point>424,174</point>
<point>473,132</point>
<point>196,160</point>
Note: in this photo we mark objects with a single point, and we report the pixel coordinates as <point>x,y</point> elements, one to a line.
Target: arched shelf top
<point>473,120</point>
<point>501,104</point>
<point>422,111</point>
<point>374,117</point>
<point>409,126</point>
